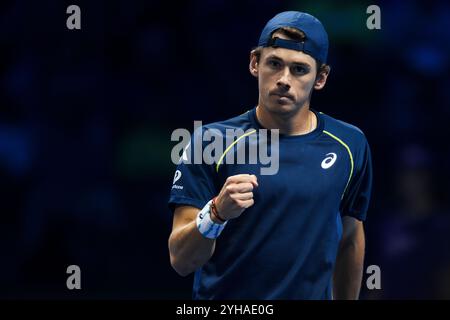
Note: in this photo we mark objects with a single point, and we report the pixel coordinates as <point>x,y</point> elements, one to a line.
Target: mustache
<point>281,94</point>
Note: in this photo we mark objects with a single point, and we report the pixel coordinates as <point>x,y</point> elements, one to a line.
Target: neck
<point>300,122</point>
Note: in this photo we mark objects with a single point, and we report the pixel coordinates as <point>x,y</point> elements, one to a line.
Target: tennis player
<point>296,234</point>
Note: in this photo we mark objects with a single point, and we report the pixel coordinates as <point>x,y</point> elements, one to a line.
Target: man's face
<point>285,78</point>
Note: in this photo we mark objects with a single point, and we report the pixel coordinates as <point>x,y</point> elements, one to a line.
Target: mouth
<point>283,97</point>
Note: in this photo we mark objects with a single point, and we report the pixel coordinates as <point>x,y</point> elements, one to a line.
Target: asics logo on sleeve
<point>177,176</point>
<point>329,160</point>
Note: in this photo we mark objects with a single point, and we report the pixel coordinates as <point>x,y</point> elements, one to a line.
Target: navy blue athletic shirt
<point>285,245</point>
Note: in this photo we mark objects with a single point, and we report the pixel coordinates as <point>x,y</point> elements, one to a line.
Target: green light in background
<point>345,22</point>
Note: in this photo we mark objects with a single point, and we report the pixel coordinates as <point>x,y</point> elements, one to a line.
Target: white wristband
<point>207,227</point>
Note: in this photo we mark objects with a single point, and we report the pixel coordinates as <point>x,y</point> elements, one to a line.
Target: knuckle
<point>242,205</point>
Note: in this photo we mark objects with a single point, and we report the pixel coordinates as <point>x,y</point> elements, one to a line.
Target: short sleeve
<point>356,199</point>
<point>193,184</point>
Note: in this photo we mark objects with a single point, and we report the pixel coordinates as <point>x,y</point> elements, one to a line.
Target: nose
<point>284,80</point>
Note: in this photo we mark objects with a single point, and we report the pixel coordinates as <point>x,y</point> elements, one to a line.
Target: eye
<point>299,70</point>
<point>274,63</point>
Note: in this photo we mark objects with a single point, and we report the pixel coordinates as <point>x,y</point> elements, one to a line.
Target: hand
<point>236,195</point>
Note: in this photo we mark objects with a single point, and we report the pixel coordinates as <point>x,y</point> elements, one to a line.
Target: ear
<point>253,66</point>
<point>321,78</point>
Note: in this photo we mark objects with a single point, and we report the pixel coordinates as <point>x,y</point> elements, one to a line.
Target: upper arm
<point>194,184</point>
<point>355,201</point>
<point>352,231</point>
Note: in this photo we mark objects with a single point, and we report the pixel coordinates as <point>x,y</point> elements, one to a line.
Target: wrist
<point>206,225</point>
<point>215,215</point>
<point>216,220</point>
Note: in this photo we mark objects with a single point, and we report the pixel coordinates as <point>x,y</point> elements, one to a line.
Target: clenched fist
<point>236,195</point>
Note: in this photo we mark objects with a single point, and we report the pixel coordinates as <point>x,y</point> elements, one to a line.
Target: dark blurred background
<point>86,118</point>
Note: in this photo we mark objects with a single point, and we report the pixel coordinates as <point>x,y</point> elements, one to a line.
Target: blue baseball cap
<point>315,44</point>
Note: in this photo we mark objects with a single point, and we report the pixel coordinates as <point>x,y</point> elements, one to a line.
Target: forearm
<point>349,269</point>
<point>188,249</point>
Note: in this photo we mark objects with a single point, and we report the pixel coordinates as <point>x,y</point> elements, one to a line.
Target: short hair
<point>296,35</point>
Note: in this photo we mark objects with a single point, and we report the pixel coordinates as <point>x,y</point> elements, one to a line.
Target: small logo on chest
<point>329,160</point>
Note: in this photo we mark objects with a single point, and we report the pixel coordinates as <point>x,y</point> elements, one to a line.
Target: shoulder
<point>349,134</point>
<point>241,121</point>
<point>235,126</point>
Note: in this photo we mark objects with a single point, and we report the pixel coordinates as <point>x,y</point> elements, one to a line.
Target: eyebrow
<point>273,56</point>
